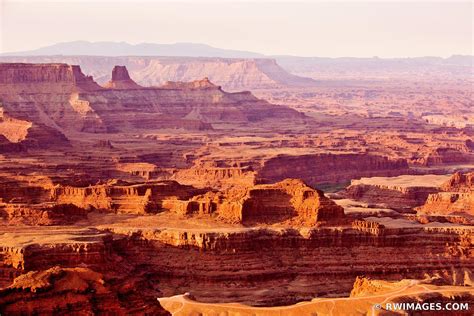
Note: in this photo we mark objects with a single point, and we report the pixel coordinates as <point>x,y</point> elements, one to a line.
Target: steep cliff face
<point>137,199</point>
<point>44,203</point>
<point>41,214</point>
<point>30,74</point>
<point>288,201</point>
<point>321,168</point>
<point>179,260</point>
<point>205,175</point>
<point>64,291</point>
<point>460,182</point>
<point>445,203</point>
<point>327,249</point>
<point>62,98</point>
<point>175,104</point>
<point>45,96</point>
<point>121,79</point>
<point>24,191</point>
<point>457,198</point>
<point>232,74</point>
<point>402,192</point>
<point>447,156</point>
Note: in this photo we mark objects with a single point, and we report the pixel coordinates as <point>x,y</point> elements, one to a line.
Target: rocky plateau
<point>161,192</point>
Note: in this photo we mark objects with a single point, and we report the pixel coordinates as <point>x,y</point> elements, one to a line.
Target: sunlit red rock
<point>457,197</point>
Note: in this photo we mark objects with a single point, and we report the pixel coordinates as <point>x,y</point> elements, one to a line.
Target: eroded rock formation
<point>64,291</point>
<point>290,200</point>
<point>179,260</point>
<point>60,97</point>
<point>322,168</point>
<point>457,197</point>
<point>30,74</point>
<point>102,211</point>
<point>121,79</point>
<point>40,202</point>
<point>460,182</point>
<point>137,199</point>
<point>233,74</point>
<point>41,214</point>
<point>402,192</point>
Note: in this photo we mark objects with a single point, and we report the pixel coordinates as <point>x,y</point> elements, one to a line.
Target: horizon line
<point>14,53</point>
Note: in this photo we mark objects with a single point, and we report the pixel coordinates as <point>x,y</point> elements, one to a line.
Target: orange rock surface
<point>148,186</point>
<point>457,197</point>
<point>64,291</point>
<point>289,200</point>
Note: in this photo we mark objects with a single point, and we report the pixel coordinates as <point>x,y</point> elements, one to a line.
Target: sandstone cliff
<point>40,202</point>
<point>66,75</point>
<point>329,168</point>
<point>137,199</point>
<point>59,290</point>
<point>447,156</point>
<point>169,261</point>
<point>457,197</point>
<point>231,74</point>
<point>59,98</point>
<point>121,79</point>
<point>460,182</point>
<point>401,193</point>
<point>44,96</point>
<point>288,201</point>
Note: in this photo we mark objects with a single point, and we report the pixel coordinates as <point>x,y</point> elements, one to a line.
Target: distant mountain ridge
<point>108,48</point>
<point>142,49</point>
<point>154,64</point>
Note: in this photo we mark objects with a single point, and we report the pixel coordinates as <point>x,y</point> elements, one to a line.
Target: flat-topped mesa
<point>290,201</point>
<point>460,183</point>
<point>21,73</point>
<point>121,79</point>
<point>444,155</point>
<point>401,193</point>
<point>457,197</point>
<point>329,167</point>
<point>139,198</point>
<point>63,98</point>
<point>204,83</point>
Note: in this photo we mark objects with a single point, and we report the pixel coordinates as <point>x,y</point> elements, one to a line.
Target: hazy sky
<point>307,28</point>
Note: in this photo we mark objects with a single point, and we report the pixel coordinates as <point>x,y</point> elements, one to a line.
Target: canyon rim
<point>148,178</point>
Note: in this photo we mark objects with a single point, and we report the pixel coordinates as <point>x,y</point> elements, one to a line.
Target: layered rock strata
<point>321,168</point>
<point>65,291</point>
<point>231,73</point>
<point>121,79</point>
<point>457,197</point>
<point>401,193</point>
<point>44,203</point>
<point>137,199</point>
<point>61,97</point>
<point>289,200</point>
<point>180,260</point>
<point>41,214</point>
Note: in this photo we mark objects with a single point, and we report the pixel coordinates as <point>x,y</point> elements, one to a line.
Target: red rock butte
<point>121,79</point>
